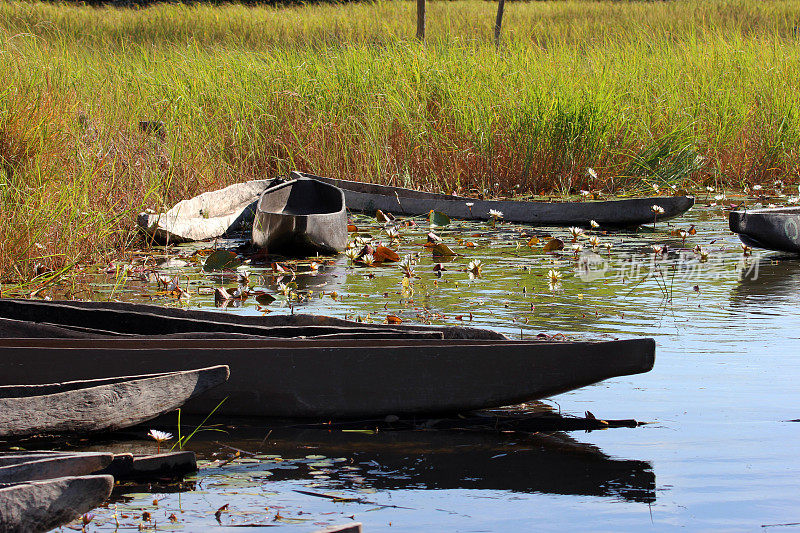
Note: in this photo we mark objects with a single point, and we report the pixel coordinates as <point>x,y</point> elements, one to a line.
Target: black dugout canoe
<point>773,229</point>
<point>341,378</point>
<point>93,405</point>
<point>301,217</point>
<point>369,197</point>
<point>45,505</point>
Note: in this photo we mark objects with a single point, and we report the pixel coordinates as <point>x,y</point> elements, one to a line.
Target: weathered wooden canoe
<point>773,229</point>
<point>18,467</point>
<point>369,197</point>
<point>301,217</point>
<point>168,464</point>
<point>92,405</point>
<point>209,215</point>
<point>342,378</point>
<point>44,505</point>
<point>75,319</point>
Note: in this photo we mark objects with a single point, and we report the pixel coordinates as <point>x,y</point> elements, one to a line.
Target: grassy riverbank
<point>685,93</point>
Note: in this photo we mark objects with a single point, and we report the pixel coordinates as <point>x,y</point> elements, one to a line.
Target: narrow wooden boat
<point>341,378</point>
<point>44,505</point>
<point>18,467</point>
<point>168,464</point>
<point>369,197</point>
<point>75,319</point>
<point>92,405</point>
<point>207,216</point>
<point>773,229</point>
<point>301,217</point>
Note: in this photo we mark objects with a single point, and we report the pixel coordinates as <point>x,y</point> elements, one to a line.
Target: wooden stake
<point>498,23</point>
<point>421,20</point>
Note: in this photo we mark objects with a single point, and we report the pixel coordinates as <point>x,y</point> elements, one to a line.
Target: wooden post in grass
<point>498,23</point>
<point>421,20</point>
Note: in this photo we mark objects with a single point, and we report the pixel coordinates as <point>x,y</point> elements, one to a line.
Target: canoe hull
<point>46,505</point>
<point>77,406</point>
<point>368,198</point>
<point>301,217</point>
<point>772,229</point>
<point>314,378</point>
<point>16,467</point>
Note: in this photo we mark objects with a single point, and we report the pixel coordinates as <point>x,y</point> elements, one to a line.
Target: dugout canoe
<point>19,467</point>
<point>207,216</point>
<point>77,319</point>
<point>773,229</point>
<point>45,505</point>
<point>301,217</point>
<point>370,197</point>
<point>92,405</point>
<point>342,378</point>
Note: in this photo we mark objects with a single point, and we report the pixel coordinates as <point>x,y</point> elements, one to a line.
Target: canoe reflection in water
<point>551,463</point>
<point>776,276</point>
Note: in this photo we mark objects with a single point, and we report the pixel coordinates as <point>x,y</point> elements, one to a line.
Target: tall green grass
<point>685,93</point>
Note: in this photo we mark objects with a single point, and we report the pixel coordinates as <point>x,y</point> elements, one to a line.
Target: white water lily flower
<point>594,241</point>
<point>585,193</point>
<point>159,437</point>
<point>470,204</point>
<point>719,197</point>
<point>655,187</point>
<point>352,253</point>
<point>554,276</point>
<point>475,267</point>
<point>368,259</point>
<point>594,224</point>
<point>608,246</point>
<point>495,214</point>
<point>576,232</point>
<point>591,172</point>
<point>757,187</point>
<point>793,199</point>
<point>710,189</point>
<point>657,209</point>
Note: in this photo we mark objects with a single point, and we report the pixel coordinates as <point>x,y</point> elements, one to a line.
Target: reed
<point>685,93</point>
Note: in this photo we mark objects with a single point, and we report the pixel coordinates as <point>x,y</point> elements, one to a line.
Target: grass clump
<point>681,93</point>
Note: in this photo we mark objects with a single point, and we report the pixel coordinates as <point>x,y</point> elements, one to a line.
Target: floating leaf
<point>533,241</point>
<point>383,254</point>
<point>442,249</point>
<point>265,298</point>
<point>469,244</point>
<point>553,245</point>
<point>393,319</point>
<point>435,218</point>
<point>352,228</point>
<point>221,260</point>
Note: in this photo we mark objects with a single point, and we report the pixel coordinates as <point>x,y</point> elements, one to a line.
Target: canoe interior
<point>35,318</point>
<point>301,197</point>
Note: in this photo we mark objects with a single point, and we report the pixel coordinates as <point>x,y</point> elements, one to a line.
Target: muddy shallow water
<point>721,451</point>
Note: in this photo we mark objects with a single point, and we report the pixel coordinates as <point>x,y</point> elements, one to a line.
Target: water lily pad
<point>435,218</point>
<point>221,260</point>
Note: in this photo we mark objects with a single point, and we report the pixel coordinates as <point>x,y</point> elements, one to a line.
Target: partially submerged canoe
<point>76,319</point>
<point>92,405</point>
<point>773,229</point>
<point>342,378</point>
<point>44,505</point>
<point>301,217</point>
<point>168,464</point>
<point>18,467</point>
<point>370,197</point>
<point>207,216</point>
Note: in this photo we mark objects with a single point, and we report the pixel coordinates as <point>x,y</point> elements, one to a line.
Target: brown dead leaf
<point>553,245</point>
<point>533,241</point>
<point>352,228</point>
<point>393,319</point>
<point>383,254</point>
<point>380,216</point>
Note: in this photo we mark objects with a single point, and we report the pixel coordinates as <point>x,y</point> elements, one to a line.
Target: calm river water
<point>721,450</point>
